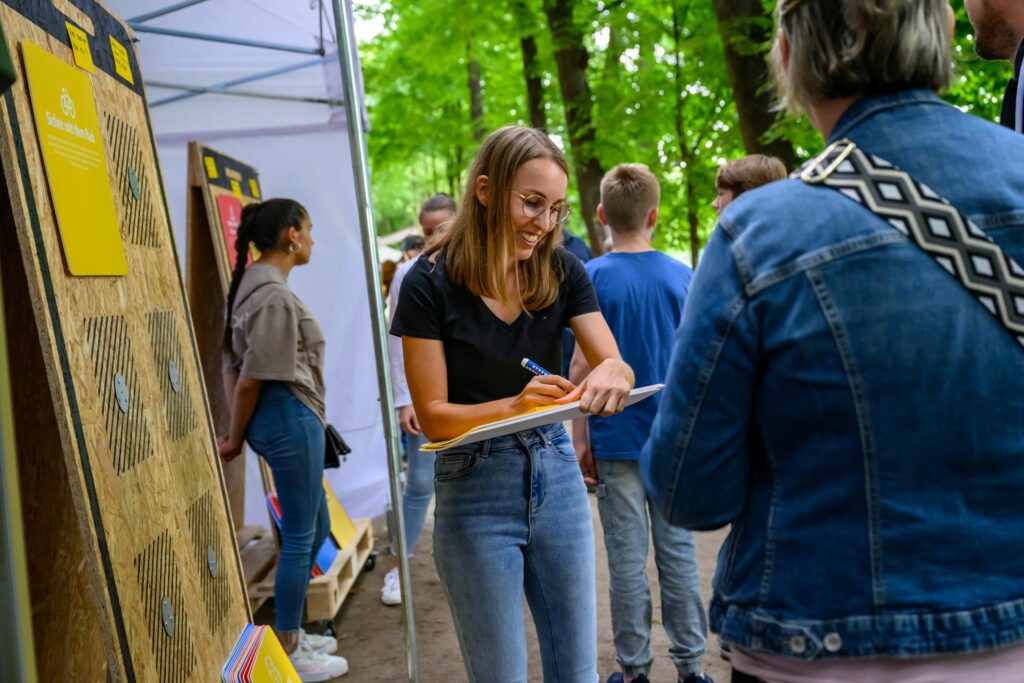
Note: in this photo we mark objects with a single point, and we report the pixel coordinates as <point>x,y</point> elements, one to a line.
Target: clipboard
<point>538,417</point>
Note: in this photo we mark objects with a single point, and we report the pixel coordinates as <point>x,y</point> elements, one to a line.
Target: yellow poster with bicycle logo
<point>76,164</point>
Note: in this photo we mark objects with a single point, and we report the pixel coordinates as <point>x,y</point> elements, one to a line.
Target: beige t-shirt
<point>275,337</point>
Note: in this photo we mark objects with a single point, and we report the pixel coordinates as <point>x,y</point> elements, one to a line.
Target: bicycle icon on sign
<point>67,105</point>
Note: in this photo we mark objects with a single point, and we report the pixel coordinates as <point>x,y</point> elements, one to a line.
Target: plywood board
<point>130,456</point>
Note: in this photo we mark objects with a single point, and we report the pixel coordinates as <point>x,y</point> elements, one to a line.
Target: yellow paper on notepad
<point>531,419</point>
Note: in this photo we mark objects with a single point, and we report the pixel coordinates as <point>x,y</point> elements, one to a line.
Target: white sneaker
<point>314,667</point>
<point>391,591</point>
<point>325,645</point>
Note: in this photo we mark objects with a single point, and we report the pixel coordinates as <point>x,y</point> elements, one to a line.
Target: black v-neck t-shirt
<point>483,352</point>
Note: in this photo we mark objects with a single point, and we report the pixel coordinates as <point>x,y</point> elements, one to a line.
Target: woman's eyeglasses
<point>535,205</point>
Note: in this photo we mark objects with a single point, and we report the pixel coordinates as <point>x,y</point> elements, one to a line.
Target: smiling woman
<point>512,512</point>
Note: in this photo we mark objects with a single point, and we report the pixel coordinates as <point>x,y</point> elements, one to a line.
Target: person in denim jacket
<point>848,407</point>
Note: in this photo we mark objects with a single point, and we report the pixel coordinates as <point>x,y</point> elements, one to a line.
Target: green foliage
<point>979,85</point>
<point>421,137</point>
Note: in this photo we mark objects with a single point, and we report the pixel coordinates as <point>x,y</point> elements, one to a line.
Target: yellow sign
<point>76,164</point>
<point>236,188</point>
<point>80,47</point>
<point>122,64</point>
<point>342,527</point>
<point>211,167</point>
<point>254,188</point>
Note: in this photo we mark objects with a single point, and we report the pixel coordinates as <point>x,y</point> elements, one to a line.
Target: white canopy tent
<point>263,81</point>
<point>274,101</point>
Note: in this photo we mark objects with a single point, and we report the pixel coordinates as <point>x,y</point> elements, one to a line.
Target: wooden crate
<point>258,548</point>
<point>328,591</point>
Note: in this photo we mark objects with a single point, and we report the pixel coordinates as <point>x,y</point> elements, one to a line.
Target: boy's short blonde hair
<point>628,193</point>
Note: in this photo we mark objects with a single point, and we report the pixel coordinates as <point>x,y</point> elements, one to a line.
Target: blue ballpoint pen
<point>533,367</point>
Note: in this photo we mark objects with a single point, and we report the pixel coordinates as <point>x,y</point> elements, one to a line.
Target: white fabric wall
<point>313,167</point>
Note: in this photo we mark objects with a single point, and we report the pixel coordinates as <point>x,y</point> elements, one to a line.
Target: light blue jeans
<point>290,438</point>
<point>419,489</point>
<point>629,519</point>
<point>512,516</point>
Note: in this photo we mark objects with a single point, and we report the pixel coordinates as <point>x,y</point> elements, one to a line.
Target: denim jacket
<point>852,411</point>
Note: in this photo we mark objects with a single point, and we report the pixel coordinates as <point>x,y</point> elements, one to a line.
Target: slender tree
<point>745,26</point>
<point>533,69</point>
<point>571,58</point>
<point>476,94</point>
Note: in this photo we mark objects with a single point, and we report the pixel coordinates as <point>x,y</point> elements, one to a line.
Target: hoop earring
<point>292,247</point>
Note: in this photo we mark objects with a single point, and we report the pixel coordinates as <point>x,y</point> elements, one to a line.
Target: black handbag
<point>335,448</point>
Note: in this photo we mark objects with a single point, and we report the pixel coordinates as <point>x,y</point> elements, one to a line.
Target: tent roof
<point>289,60</point>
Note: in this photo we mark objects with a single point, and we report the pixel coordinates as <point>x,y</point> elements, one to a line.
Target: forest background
<point>679,85</point>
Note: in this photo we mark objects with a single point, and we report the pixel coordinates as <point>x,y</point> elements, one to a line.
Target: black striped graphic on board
<point>175,655</point>
<point>178,409</point>
<point>138,223</point>
<point>202,521</point>
<point>111,351</point>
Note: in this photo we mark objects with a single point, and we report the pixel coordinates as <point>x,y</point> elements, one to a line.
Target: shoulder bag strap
<point>960,247</point>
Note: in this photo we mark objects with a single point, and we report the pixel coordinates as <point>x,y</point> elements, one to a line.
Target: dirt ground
<point>370,634</point>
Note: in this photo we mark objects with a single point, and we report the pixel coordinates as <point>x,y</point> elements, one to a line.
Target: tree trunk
<point>571,58</point>
<point>742,23</point>
<point>685,153</point>
<point>476,95</point>
<point>692,220</point>
<point>532,69</point>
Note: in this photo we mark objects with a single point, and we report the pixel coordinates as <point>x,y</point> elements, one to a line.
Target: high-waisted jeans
<point>290,438</point>
<point>512,516</point>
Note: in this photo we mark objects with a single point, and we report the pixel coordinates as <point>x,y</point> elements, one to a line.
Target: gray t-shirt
<point>275,337</point>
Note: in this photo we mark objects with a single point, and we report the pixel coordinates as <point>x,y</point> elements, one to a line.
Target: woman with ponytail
<point>273,371</point>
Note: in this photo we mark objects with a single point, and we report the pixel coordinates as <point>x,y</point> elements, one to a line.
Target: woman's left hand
<point>605,389</point>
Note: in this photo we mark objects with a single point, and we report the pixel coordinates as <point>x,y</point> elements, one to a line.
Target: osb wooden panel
<point>146,487</point>
<point>61,587</point>
<point>208,276</point>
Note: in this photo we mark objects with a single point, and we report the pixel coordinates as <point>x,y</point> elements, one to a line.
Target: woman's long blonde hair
<point>478,243</point>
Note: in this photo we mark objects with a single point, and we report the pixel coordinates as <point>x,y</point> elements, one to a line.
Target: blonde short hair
<point>628,193</point>
<point>846,48</point>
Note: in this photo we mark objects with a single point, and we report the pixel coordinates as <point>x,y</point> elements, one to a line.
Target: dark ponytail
<point>262,225</point>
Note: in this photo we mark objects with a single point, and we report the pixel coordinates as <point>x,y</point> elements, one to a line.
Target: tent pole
<point>360,169</point>
<point>226,40</point>
<point>259,76</point>
<point>211,90</point>
<point>165,11</point>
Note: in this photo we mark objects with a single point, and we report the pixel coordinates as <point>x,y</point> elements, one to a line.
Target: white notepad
<point>537,417</point>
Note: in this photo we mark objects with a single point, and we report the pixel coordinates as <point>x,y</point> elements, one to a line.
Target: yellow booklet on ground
<point>531,419</point>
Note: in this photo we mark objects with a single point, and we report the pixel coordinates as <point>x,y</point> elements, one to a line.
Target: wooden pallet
<point>258,549</point>
<point>328,591</point>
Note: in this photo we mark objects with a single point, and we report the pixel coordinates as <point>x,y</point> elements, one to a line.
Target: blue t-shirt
<point>641,297</point>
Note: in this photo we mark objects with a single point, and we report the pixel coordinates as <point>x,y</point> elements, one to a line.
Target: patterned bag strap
<point>930,222</point>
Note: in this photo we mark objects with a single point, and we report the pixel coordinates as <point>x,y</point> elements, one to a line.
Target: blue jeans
<point>290,438</point>
<point>626,516</point>
<point>511,516</point>
<point>419,489</point>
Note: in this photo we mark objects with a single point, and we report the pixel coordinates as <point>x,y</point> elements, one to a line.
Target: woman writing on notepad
<point>512,513</point>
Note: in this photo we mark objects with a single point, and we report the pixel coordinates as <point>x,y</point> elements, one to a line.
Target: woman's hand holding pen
<point>605,390</point>
<point>543,390</point>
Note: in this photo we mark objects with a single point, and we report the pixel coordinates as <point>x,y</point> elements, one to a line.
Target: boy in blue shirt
<point>641,292</point>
